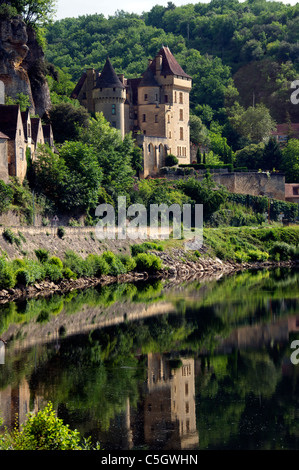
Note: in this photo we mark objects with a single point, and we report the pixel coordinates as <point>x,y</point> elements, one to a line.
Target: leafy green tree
<point>114,154</point>
<point>272,155</point>
<point>34,12</point>
<point>291,161</point>
<point>198,131</point>
<point>66,118</point>
<point>251,156</point>
<point>255,123</point>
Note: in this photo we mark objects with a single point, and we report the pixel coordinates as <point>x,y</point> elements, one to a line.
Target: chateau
<point>154,107</point>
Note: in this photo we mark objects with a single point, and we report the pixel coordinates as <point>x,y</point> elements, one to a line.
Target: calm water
<point>201,365</point>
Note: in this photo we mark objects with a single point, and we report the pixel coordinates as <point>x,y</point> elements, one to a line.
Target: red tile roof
<point>284,129</point>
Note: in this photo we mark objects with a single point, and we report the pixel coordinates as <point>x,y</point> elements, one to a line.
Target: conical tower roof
<point>108,78</point>
<point>170,65</point>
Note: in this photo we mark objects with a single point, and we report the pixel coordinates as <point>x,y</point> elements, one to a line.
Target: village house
<point>11,125</point>
<point>154,107</point>
<point>284,132</point>
<point>3,157</point>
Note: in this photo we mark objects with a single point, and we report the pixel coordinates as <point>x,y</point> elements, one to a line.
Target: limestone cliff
<point>22,64</point>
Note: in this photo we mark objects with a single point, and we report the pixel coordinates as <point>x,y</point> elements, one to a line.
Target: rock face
<point>22,64</point>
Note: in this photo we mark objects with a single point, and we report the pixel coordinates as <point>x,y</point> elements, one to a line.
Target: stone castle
<point>154,107</point>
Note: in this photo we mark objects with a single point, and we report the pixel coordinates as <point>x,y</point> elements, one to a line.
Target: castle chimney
<point>158,63</point>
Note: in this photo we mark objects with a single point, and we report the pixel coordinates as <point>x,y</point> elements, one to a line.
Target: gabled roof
<point>284,129</point>
<point>148,79</point>
<point>108,78</point>
<point>170,65</point>
<point>3,136</point>
<point>24,116</point>
<point>79,85</point>
<point>34,127</point>
<point>9,119</point>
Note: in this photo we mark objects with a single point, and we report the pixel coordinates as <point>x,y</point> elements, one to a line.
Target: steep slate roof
<point>108,78</point>
<point>79,85</point>
<point>34,128</point>
<point>148,79</point>
<point>9,119</point>
<point>170,66</point>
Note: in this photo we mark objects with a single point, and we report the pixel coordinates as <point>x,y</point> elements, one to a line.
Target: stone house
<point>154,107</point>
<point>37,133</point>
<point>284,132</point>
<point>11,125</point>
<point>4,157</point>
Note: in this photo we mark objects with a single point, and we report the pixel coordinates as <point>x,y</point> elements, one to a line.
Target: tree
<point>114,154</point>
<point>66,118</point>
<point>290,161</point>
<point>198,131</point>
<point>251,156</point>
<point>272,155</point>
<point>34,12</point>
<point>255,123</point>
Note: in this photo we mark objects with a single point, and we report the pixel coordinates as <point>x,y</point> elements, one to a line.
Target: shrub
<point>44,431</point>
<point>128,262</point>
<point>22,277</point>
<point>53,272</point>
<point>143,247</point>
<point>147,262</point>
<point>42,254</point>
<point>56,261</point>
<point>8,235</point>
<point>74,262</point>
<point>7,277</point>
<point>257,255</point>
<point>171,160</point>
<point>67,273</point>
<point>96,265</point>
<point>282,251</point>
<point>61,232</point>
<point>115,265</point>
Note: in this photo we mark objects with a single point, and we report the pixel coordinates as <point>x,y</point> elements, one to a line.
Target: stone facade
<point>154,107</point>
<point>3,157</point>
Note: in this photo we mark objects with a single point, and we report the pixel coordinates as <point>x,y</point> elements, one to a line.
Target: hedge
<point>260,204</point>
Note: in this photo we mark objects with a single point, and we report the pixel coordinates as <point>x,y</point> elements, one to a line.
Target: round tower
<point>109,97</point>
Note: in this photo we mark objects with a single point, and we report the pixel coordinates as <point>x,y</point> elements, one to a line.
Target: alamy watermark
<point>295,354</point>
<point>295,94</point>
<point>159,222</point>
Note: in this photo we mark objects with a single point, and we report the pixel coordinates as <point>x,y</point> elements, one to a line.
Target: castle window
<point>145,97</point>
<point>181,133</point>
<point>143,118</point>
<point>181,98</point>
<point>113,89</point>
<point>168,118</point>
<point>166,98</point>
<point>156,117</point>
<point>181,115</point>
<point>169,134</point>
<point>113,109</point>
<point>113,123</point>
<point>156,97</point>
<point>175,96</point>
<point>21,153</point>
<point>84,96</point>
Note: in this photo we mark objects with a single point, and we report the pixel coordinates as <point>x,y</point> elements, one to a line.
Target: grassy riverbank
<point>233,246</point>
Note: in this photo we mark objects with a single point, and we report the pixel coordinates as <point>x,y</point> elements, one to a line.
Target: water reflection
<point>205,365</point>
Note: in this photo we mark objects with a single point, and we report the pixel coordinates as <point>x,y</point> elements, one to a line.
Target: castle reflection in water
<point>167,409</point>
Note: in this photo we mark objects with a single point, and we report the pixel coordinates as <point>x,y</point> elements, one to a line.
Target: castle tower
<point>109,96</point>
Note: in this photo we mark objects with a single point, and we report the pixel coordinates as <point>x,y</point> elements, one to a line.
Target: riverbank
<point>224,251</point>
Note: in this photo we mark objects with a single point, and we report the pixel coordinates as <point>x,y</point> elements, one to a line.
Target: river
<point>204,364</point>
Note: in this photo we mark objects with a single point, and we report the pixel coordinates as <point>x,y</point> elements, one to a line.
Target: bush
<point>147,262</point>
<point>171,160</point>
<point>143,247</point>
<point>42,255</point>
<point>53,272</point>
<point>281,251</point>
<point>257,255</point>
<point>44,431</point>
<point>56,261</point>
<point>7,277</point>
<point>128,262</point>
<point>67,273</point>
<point>61,232</point>
<point>8,235</point>
<point>115,265</point>
<point>74,262</point>
<point>22,277</point>
<point>96,265</point>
